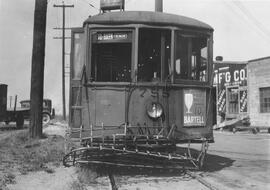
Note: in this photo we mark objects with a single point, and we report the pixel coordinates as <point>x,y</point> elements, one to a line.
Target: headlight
<point>154,110</point>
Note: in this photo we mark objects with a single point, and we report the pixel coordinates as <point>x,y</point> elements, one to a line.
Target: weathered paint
<point>108,105</point>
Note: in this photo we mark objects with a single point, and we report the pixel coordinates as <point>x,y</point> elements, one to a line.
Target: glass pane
<point>233,100</point>
<point>154,50</point>
<point>78,58</point>
<point>265,100</point>
<point>111,62</point>
<point>191,55</point>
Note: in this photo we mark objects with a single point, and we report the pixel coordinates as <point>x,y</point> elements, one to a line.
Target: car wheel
<point>254,131</point>
<point>234,130</point>
<point>46,118</point>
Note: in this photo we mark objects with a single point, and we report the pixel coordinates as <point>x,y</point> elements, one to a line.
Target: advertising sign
<point>194,107</point>
<point>228,75</point>
<point>243,101</point>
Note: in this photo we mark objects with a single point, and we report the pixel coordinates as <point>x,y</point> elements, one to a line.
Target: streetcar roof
<point>146,17</point>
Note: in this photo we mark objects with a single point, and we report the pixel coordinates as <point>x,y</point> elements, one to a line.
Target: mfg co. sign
<point>230,74</point>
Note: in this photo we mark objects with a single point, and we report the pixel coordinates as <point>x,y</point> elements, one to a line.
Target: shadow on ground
<point>212,163</point>
<point>215,163</point>
<point>11,126</point>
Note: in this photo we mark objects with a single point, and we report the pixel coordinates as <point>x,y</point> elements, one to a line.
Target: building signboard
<point>243,101</point>
<point>231,84</point>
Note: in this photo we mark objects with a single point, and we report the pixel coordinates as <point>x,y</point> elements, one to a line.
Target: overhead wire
<point>255,21</point>
<point>248,18</point>
<point>90,4</point>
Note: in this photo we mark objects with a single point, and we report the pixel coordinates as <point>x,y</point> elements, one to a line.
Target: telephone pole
<point>63,6</point>
<point>37,71</point>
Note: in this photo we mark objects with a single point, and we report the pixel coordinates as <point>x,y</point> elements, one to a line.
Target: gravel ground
<point>234,161</point>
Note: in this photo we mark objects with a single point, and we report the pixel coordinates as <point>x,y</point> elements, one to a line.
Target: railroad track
<point>201,180</point>
<point>187,175</point>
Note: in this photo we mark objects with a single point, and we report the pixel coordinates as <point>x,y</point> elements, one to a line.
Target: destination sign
<point>111,36</point>
<point>112,4</point>
<point>194,107</point>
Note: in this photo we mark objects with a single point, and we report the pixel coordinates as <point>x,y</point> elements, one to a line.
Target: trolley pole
<point>37,71</point>
<point>63,6</point>
<point>159,5</point>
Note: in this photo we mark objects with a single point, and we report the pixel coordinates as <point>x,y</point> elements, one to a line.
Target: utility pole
<point>37,73</point>
<point>63,6</point>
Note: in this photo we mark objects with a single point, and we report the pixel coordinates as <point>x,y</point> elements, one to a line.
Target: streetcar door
<point>77,58</point>
<point>232,101</point>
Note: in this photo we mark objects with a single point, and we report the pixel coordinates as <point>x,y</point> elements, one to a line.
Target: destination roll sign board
<point>112,37</point>
<point>194,107</point>
<point>112,4</point>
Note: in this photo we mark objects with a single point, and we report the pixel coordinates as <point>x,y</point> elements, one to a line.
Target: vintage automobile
<point>48,112</point>
<point>11,114</point>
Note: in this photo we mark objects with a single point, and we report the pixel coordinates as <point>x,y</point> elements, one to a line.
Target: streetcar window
<point>78,58</point>
<point>191,57</point>
<point>111,62</point>
<point>153,54</point>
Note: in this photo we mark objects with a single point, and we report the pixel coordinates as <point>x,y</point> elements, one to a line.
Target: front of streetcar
<point>142,75</point>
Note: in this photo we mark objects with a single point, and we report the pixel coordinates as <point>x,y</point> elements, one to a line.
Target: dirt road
<point>239,161</point>
<point>234,161</point>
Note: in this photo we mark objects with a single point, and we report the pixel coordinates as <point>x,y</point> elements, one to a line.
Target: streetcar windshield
<point>153,54</point>
<point>191,57</point>
<point>111,57</point>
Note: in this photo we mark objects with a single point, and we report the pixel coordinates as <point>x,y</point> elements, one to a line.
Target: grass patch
<point>7,178</point>
<point>19,153</point>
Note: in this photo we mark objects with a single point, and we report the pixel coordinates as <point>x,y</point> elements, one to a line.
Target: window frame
<point>75,31</point>
<point>162,54</point>
<point>134,63</point>
<point>93,30</point>
<point>263,109</point>
<point>209,37</point>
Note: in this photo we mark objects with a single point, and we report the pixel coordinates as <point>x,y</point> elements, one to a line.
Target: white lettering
<point>227,77</point>
<point>193,119</point>
<point>215,78</point>
<point>236,75</point>
<point>220,77</point>
<point>242,74</point>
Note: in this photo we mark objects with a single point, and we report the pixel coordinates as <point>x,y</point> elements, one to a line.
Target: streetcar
<point>140,85</point>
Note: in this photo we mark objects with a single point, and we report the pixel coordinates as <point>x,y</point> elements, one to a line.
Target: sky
<point>241,33</point>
